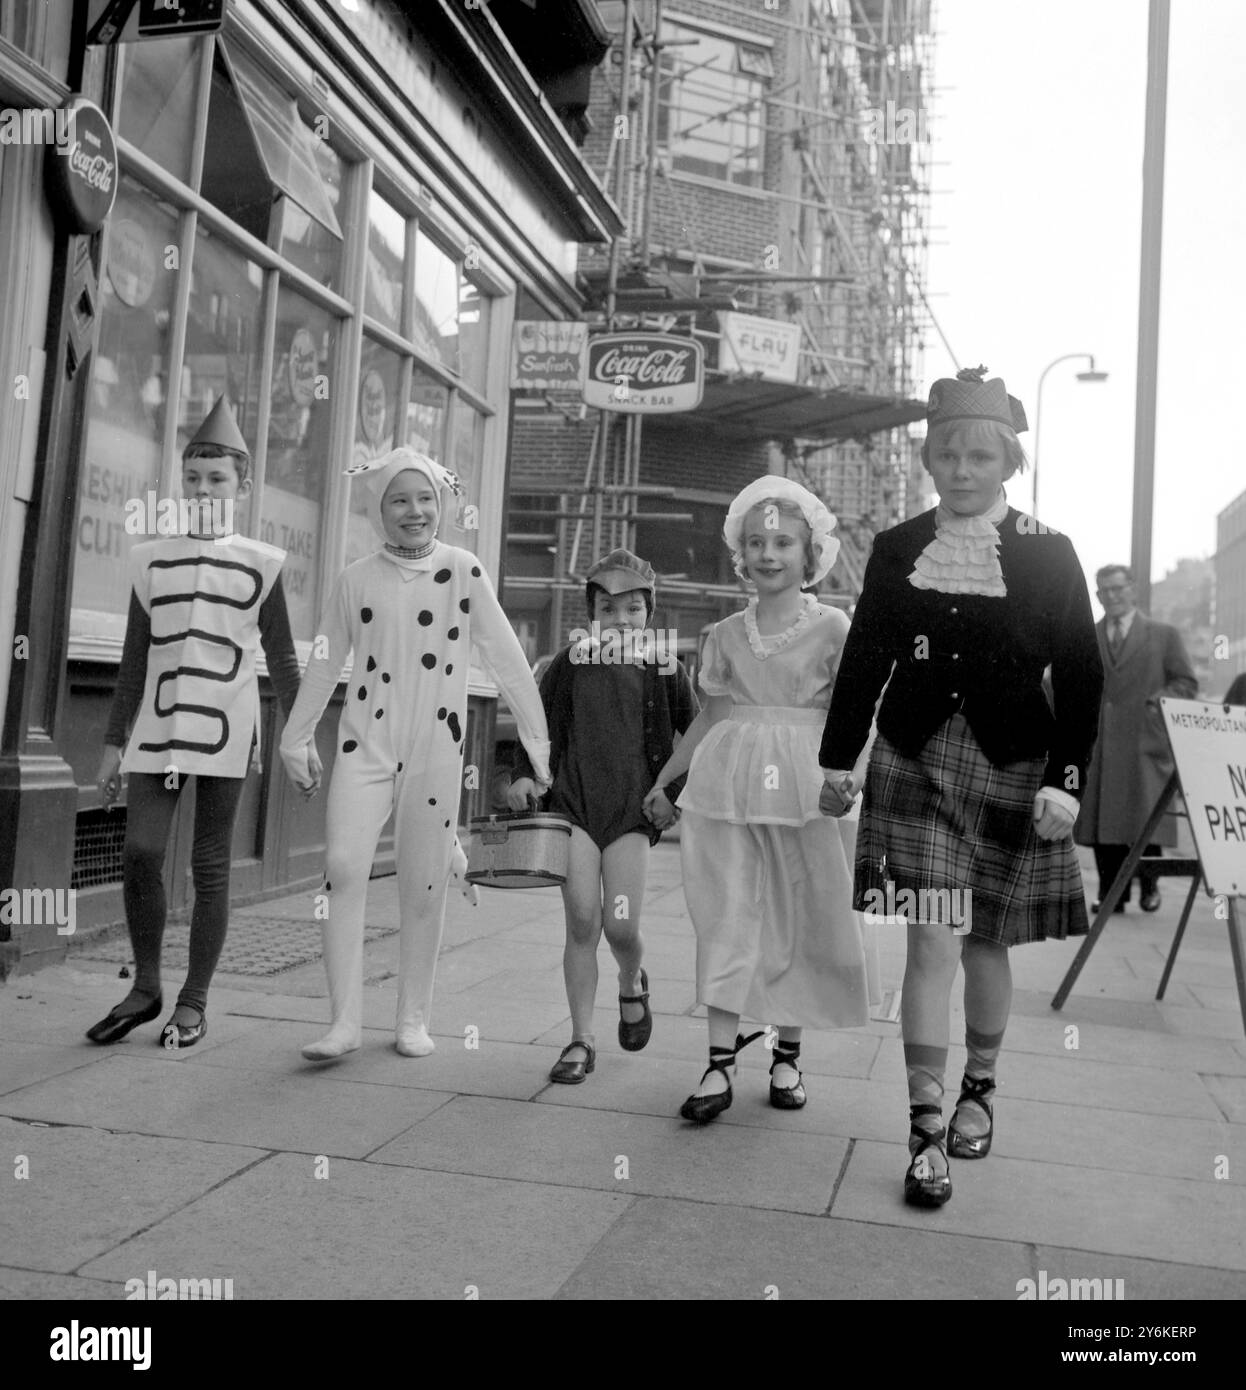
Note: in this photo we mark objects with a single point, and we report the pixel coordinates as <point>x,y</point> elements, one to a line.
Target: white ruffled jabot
<point>963,558</point>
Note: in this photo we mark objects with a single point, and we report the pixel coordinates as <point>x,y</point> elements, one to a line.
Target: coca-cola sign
<point>643,373</point>
<point>81,173</point>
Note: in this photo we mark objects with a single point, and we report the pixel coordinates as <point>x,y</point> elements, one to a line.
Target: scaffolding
<point>840,113</point>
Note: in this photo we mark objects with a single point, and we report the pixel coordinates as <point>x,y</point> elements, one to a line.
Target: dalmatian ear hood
<point>379,473</point>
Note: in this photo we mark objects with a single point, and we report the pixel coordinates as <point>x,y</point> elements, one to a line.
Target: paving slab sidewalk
<point>1120,1153</point>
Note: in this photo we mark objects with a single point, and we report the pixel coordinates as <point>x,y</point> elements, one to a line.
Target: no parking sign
<point>1209,748</point>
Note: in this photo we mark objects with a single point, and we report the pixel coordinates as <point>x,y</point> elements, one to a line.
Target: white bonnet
<point>379,473</point>
<point>821,521</point>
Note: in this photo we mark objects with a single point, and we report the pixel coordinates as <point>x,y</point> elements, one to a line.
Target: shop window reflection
<point>426,414</point>
<point>387,252</point>
<point>376,417</point>
<point>466,462</point>
<point>126,422</point>
<point>298,447</point>
<point>158,101</point>
<point>436,302</point>
<point>473,334</point>
<point>223,345</point>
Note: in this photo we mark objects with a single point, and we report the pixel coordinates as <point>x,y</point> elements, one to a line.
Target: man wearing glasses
<point>1142,660</point>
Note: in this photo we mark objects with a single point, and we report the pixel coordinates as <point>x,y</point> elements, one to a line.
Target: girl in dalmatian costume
<point>410,612</point>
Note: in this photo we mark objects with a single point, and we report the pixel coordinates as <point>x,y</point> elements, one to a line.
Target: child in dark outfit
<point>199,606</point>
<point>613,716</point>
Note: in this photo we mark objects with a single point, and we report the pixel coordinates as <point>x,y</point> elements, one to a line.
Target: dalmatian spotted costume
<point>411,623</point>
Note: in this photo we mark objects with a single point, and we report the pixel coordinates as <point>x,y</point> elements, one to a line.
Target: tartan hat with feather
<point>967,397</point>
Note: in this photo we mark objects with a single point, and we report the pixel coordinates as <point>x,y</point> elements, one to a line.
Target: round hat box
<point>519,849</point>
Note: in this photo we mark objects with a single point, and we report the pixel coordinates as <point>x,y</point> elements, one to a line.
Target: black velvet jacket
<point>982,656</point>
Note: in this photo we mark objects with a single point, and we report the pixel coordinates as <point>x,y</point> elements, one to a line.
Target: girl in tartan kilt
<point>974,780</point>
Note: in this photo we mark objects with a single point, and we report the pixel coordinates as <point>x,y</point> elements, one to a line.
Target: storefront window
<point>387,251</point>
<point>125,428</point>
<point>158,101</point>
<point>376,417</point>
<point>304,240</point>
<point>473,334</point>
<point>426,415</point>
<point>436,302</point>
<point>298,447</point>
<point>235,179</point>
<point>223,344</point>
<point>466,462</point>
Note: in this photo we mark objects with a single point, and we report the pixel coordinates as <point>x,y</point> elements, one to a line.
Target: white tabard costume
<point>201,702</point>
<point>411,624</point>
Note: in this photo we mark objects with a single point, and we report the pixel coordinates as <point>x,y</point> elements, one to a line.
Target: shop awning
<point>779,410</point>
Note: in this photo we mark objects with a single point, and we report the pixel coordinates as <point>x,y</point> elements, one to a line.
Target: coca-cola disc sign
<point>643,373</point>
<point>81,172</point>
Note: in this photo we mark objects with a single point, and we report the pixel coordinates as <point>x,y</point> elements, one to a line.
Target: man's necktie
<point>1116,637</point>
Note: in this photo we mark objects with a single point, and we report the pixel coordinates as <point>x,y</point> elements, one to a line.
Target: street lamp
<point>1089,375</point>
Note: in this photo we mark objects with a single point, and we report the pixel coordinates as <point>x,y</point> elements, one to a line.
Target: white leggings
<point>425,805</point>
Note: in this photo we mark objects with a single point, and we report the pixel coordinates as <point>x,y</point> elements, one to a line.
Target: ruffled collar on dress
<point>963,557</point>
<point>767,646</point>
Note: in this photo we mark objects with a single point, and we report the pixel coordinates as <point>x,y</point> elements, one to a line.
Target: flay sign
<point>643,373</point>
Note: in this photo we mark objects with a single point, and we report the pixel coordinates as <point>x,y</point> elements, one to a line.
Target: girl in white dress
<point>766,876</point>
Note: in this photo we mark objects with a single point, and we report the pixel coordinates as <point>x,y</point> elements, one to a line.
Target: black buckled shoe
<point>634,1036</point>
<point>922,1186</point>
<point>702,1109</point>
<point>974,1090</point>
<point>572,1073</point>
<point>113,1028</point>
<point>176,1036</point>
<point>787,1097</point>
<point>1151,900</point>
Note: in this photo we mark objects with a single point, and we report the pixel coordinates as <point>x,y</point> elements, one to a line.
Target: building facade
<point>775,198</point>
<point>327,212</point>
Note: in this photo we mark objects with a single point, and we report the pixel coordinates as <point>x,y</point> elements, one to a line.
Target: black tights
<point>150,808</point>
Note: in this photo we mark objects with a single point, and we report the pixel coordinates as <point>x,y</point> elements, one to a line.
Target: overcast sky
<point>1038,119</point>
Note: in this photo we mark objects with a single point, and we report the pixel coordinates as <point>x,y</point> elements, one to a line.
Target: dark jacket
<point>1132,761</point>
<point>670,707</point>
<point>983,657</point>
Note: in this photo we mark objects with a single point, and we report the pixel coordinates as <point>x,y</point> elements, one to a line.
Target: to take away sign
<point>643,373</point>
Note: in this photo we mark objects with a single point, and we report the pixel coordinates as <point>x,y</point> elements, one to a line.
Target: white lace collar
<point>963,557</point>
<point>767,645</point>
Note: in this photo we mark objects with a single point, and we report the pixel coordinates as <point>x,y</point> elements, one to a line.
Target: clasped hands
<point>839,791</point>
<point>304,768</point>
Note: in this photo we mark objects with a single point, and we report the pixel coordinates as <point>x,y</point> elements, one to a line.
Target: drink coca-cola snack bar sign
<point>643,373</point>
<point>81,173</point>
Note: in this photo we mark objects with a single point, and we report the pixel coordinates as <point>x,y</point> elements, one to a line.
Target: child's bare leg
<point>624,868</point>
<point>723,1028</point>
<point>581,899</point>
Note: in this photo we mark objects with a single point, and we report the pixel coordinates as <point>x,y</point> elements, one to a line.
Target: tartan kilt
<point>950,819</point>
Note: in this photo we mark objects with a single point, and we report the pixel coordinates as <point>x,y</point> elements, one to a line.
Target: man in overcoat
<point>1142,660</point>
